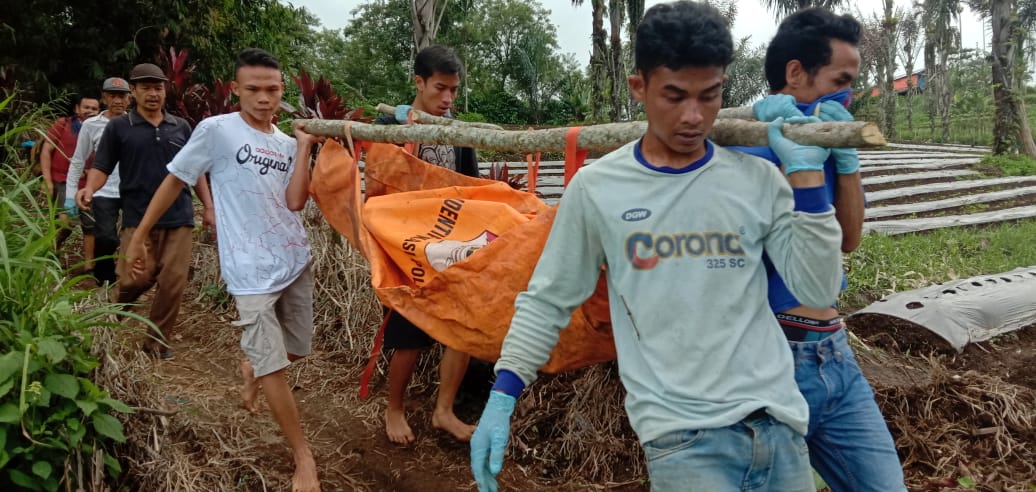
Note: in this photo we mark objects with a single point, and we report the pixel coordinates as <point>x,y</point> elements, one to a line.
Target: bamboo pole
<point>605,137</point>
<point>430,119</point>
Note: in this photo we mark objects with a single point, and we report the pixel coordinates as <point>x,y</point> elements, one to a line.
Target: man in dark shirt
<point>141,142</point>
<point>437,73</point>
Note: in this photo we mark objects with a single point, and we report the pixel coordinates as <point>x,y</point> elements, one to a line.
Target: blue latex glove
<point>70,207</point>
<point>794,156</point>
<point>776,106</point>
<point>847,161</point>
<point>489,441</point>
<point>403,113</point>
<point>834,111</point>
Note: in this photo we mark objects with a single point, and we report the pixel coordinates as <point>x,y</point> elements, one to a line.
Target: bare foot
<point>250,390</point>
<point>397,428</point>
<point>449,422</point>
<point>305,477</point>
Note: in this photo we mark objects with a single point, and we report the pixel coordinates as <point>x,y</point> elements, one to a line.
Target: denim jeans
<point>849,442</point>
<point>755,454</point>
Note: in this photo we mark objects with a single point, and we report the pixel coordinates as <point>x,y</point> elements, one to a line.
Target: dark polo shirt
<point>142,151</point>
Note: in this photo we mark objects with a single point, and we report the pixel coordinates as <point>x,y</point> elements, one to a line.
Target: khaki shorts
<point>277,324</point>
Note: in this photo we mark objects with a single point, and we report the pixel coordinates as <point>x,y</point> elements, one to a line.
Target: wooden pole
<point>605,137</point>
<point>740,113</point>
<point>430,119</point>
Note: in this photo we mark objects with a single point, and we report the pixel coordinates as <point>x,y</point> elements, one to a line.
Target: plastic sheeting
<point>965,311</point>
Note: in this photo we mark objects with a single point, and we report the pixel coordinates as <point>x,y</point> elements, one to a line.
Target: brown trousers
<point>167,263</point>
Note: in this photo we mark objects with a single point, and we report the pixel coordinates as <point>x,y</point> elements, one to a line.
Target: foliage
<point>372,53</point>
<point>317,99</point>
<point>886,264</point>
<point>193,102</point>
<point>1012,165</point>
<point>53,418</point>
<point>498,171</point>
<point>784,8</point>
<point>71,45</point>
<point>513,71</point>
<point>746,75</point>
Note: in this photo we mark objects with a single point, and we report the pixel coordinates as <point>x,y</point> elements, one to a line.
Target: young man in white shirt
<point>260,178</point>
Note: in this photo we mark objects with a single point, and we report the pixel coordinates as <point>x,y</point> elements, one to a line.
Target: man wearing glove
<point>710,384</point>
<point>115,93</point>
<point>437,72</point>
<point>849,442</point>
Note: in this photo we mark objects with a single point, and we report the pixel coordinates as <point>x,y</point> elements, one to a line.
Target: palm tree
<point>616,67</point>
<point>598,59</point>
<point>889,38</point>
<point>909,49</point>
<point>634,13</point>
<point>1011,23</point>
<point>941,39</point>
<point>784,8</point>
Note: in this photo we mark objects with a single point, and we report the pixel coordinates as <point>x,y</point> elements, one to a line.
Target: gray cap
<point>115,84</point>
<point>147,71</point>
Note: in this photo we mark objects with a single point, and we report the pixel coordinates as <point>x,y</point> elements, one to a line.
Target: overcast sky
<point>574,23</point>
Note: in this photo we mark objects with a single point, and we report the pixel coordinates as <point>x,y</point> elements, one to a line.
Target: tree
<point>634,14</point>
<point>941,40</point>
<point>616,67</point>
<point>71,45</point>
<point>887,63</point>
<point>598,59</point>
<point>908,50</point>
<point>1010,128</point>
<point>425,25</point>
<point>746,75</point>
<point>784,8</point>
<point>376,66</point>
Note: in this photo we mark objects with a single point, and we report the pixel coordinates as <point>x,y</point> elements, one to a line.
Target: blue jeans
<point>755,454</point>
<point>849,442</point>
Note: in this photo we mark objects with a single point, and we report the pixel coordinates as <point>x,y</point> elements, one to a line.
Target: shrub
<point>55,423</point>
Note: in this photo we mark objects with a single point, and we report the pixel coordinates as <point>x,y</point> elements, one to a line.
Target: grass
<point>1011,165</point>
<point>886,264</point>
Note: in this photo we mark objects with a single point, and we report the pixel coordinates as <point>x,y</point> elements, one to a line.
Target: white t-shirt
<point>262,244</point>
<point>89,135</point>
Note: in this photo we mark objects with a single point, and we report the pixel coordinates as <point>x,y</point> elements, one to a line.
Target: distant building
<point>900,84</point>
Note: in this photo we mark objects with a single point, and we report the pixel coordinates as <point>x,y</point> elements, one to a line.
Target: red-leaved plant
<point>498,172</point>
<point>318,100</point>
<point>193,102</point>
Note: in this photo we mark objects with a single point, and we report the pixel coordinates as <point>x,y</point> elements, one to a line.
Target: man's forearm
<point>95,179</point>
<point>201,188</point>
<point>297,191</point>
<point>849,210</point>
<point>45,163</point>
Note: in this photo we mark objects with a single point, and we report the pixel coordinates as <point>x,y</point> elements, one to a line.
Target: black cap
<point>146,71</point>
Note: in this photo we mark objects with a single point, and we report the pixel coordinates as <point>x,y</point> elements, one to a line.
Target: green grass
<point>886,264</point>
<point>1011,165</point>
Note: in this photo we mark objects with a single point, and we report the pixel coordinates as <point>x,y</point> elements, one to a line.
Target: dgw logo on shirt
<point>635,214</point>
<point>264,159</point>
